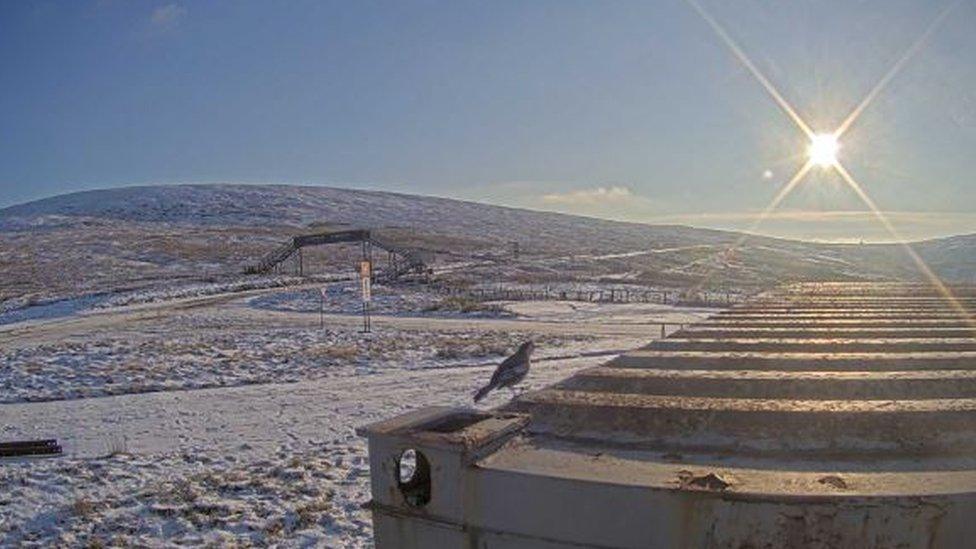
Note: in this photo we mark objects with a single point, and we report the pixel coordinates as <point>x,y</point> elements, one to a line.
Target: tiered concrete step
<point>926,314</point>
<point>746,425</point>
<point>832,345</point>
<point>774,322</point>
<point>872,372</point>
<point>769,384</point>
<point>795,361</point>
<point>827,309</point>
<point>818,332</point>
<point>840,306</point>
<point>827,314</point>
<point>865,289</point>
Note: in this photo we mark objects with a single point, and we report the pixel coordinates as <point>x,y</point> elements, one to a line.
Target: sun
<point>823,150</point>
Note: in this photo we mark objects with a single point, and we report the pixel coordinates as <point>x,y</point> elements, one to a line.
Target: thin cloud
<point>596,195</point>
<point>167,16</point>
<point>834,226</point>
<point>935,218</point>
<point>609,201</point>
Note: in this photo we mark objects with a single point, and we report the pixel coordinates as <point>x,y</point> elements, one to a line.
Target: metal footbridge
<point>402,259</point>
<point>815,415</point>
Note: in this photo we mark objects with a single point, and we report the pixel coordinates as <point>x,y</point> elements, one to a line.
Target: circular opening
<point>408,465</point>
<point>413,477</point>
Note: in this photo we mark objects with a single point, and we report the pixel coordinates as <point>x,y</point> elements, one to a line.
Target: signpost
<point>365,281</point>
<point>323,291</point>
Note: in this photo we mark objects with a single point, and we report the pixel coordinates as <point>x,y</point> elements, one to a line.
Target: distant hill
<point>297,206</point>
<point>88,240</point>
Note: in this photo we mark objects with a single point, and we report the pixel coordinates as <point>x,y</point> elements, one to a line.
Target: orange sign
<point>365,279</point>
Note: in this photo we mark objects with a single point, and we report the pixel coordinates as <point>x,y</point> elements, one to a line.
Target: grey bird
<point>510,372</point>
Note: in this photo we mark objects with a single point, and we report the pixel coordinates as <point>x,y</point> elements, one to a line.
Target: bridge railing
<point>409,259</point>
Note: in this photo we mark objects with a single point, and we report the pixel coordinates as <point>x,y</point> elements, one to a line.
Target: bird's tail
<point>482,392</point>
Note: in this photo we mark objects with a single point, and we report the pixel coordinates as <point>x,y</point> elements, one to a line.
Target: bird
<point>510,372</point>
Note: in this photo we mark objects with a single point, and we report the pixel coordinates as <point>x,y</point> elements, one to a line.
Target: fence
<point>617,295</point>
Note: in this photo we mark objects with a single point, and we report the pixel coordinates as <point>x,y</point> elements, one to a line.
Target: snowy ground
<point>599,313</point>
<point>20,310</point>
<point>198,359</point>
<point>265,455</point>
<point>217,464</point>
<point>344,297</point>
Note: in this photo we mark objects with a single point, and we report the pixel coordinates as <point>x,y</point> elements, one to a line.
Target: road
<point>38,332</point>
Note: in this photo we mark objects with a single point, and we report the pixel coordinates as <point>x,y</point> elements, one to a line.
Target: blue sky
<point>628,110</point>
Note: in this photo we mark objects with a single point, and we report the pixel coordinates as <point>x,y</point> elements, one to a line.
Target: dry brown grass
<point>83,507</point>
<point>333,352</point>
<point>309,513</point>
<point>460,304</point>
<point>118,445</point>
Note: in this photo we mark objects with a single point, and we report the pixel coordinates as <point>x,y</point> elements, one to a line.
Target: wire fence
<point>612,295</point>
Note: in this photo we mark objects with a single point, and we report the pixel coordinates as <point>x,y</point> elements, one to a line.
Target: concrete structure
<point>818,415</point>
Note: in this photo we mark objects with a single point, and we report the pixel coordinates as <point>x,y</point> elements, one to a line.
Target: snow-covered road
<point>601,319</point>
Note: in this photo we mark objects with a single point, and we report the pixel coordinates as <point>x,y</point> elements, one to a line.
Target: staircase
<point>411,260</point>
<point>273,258</point>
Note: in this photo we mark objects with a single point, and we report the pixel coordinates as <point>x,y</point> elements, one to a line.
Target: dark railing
<point>403,259</point>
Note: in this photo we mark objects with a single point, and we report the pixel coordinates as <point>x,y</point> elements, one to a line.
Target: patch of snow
<point>54,309</point>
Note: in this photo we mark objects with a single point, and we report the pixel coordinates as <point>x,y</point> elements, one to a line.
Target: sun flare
<point>823,150</point>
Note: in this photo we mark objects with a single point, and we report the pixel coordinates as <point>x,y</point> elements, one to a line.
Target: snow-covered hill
<point>97,240</point>
<point>270,205</point>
